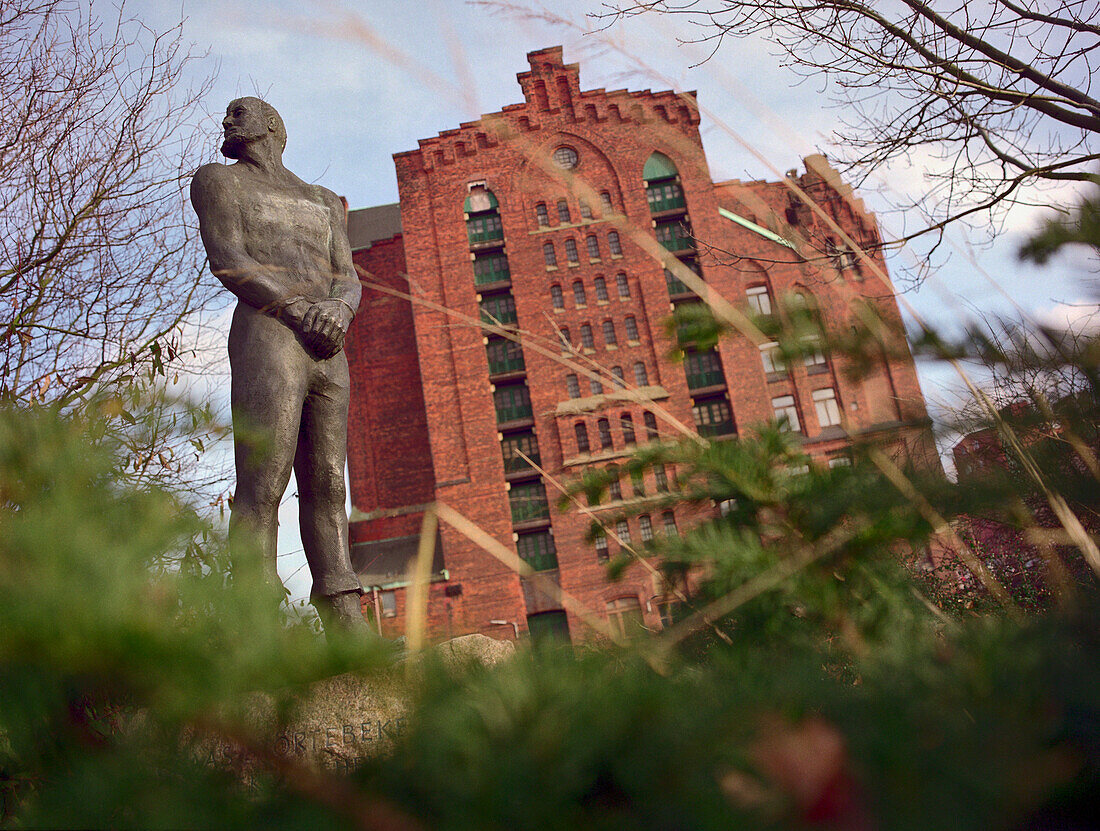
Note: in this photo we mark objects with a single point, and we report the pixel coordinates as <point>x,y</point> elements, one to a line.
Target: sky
<point>357,82</point>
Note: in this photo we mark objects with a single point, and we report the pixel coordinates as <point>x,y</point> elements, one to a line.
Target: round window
<point>565,158</point>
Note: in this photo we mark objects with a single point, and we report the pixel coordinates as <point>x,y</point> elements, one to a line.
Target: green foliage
<point>112,655</point>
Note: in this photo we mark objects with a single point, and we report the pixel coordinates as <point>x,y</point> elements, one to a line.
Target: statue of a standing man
<point>281,246</point>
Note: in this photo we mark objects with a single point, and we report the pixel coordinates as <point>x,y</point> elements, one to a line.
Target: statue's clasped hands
<point>322,325</point>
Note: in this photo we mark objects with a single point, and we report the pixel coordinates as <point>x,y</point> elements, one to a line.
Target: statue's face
<point>244,124</point>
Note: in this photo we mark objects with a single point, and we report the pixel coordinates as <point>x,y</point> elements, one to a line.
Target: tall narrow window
<point>641,377</point>
<point>637,482</point>
<point>786,413</point>
<point>609,336</point>
<point>586,212</point>
<point>581,432</point>
<point>813,358</point>
<point>563,211</point>
<point>605,202</point>
<point>623,285</point>
<point>556,297</point>
<point>601,289</point>
<point>759,299</point>
<point>626,424</point>
<point>670,522</point>
<point>603,427</point>
<point>573,386</point>
<point>650,426</point>
<point>645,526</point>
<point>601,547</point>
<point>631,328</point>
<point>615,490</point>
<point>587,341</point>
<point>593,246</point>
<point>563,339</point>
<point>772,358</point>
<point>549,255</point>
<point>595,387</point>
<point>613,243</point>
<point>542,217</point>
<point>660,476</point>
<point>578,294</point>
<point>571,251</point>
<point>617,371</point>
<point>828,412</point>
<point>622,531</point>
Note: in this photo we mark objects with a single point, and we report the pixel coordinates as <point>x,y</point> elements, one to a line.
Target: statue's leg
<point>268,387</point>
<point>319,470</point>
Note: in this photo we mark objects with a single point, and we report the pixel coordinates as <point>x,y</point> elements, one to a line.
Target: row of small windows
<point>580,298</point>
<point>572,254</point>
<point>610,335</point>
<point>542,213</point>
<point>595,386</point>
<point>774,364</point>
<point>622,532</point>
<point>603,432</point>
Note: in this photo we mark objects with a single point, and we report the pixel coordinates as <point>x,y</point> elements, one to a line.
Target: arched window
<point>548,255</point>
<point>623,286</point>
<point>617,371</point>
<point>641,377</point>
<point>670,522</point>
<point>563,338</point>
<point>605,203</point>
<point>645,527</point>
<point>542,216</point>
<point>482,216</point>
<point>662,185</point>
<point>626,423</point>
<point>603,427</point>
<point>571,251</point>
<point>631,328</point>
<point>593,245</point>
<point>581,432</point>
<point>609,335</point>
<point>760,301</point>
<point>601,289</point>
<point>614,244</point>
<point>650,425</point>
<point>556,297</point>
<point>572,386</point>
<point>578,294</point>
<point>563,211</point>
<point>595,387</point>
<point>587,341</point>
<point>586,211</point>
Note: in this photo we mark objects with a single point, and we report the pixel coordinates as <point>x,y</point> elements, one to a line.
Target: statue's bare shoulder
<point>213,183</point>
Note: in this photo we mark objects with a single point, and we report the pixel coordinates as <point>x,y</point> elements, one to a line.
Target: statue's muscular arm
<point>213,194</point>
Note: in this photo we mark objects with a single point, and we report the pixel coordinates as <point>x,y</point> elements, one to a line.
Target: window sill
<point>592,261</point>
<point>633,343</point>
<point>817,369</point>
<point>616,256</point>
<point>573,265</point>
<point>551,268</point>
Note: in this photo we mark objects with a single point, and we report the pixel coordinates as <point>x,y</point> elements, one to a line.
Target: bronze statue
<point>281,246</point>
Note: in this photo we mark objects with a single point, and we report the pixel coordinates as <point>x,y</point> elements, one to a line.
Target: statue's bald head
<point>251,119</point>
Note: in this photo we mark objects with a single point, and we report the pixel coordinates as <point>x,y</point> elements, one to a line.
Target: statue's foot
<point>342,613</point>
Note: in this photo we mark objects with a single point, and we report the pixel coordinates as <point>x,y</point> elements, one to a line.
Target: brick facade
<point>439,401</point>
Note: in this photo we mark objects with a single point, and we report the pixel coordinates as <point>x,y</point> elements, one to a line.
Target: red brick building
<point>548,222</point>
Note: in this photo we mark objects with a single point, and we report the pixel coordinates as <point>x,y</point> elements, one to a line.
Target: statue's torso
<point>289,227</point>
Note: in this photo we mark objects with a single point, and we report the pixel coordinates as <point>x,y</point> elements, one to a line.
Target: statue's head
<point>247,121</point>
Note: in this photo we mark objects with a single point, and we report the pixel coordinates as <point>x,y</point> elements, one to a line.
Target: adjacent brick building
<point>547,222</point>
